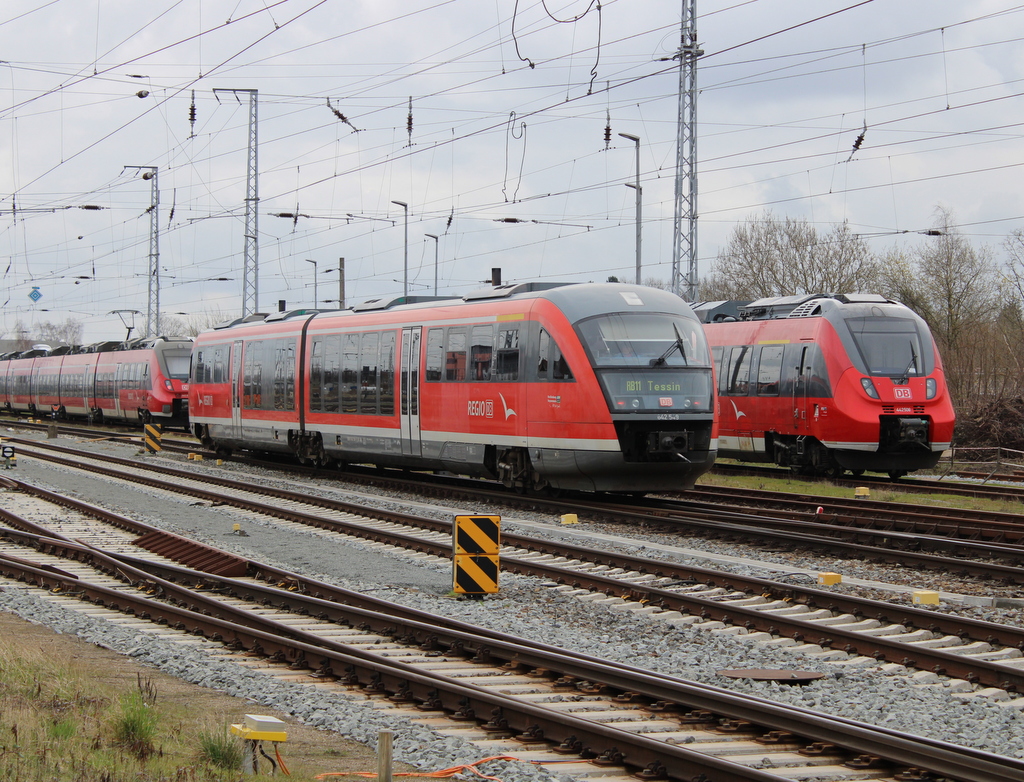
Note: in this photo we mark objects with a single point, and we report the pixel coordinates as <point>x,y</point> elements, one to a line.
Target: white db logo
<point>902,393</point>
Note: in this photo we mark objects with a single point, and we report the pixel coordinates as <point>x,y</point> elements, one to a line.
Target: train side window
<point>387,373</point>
<point>559,366</point>
<point>332,374</point>
<point>198,372</point>
<point>455,357</point>
<point>435,354</point>
<point>316,377</point>
<point>481,351</point>
<point>737,379</point>
<point>542,355</point>
<point>147,380</point>
<point>506,355</point>
<point>368,383</point>
<point>769,370</point>
<point>252,396</point>
<point>220,374</point>
<point>288,356</point>
<point>350,373</point>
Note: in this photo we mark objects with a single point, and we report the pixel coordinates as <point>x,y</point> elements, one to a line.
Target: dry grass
<point>825,488</point>
<point>72,712</point>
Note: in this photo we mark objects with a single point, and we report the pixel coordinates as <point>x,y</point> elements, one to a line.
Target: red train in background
<point>828,383</point>
<point>144,380</point>
<point>593,387</point>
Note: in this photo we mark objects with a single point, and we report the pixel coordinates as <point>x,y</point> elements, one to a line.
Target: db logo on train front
<point>902,393</point>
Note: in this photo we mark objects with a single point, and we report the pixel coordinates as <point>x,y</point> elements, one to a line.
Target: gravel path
<point>523,607</point>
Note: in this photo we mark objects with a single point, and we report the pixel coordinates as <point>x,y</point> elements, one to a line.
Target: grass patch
<point>824,488</point>
<point>62,724</point>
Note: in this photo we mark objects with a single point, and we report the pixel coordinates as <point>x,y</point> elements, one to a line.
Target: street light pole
<point>432,236</point>
<point>405,277</point>
<point>639,201</point>
<point>316,298</point>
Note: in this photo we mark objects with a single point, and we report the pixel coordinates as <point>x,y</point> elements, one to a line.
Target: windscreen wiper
<point>679,345</point>
<point>905,377</point>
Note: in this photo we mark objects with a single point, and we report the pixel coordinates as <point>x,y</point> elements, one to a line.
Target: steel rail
<point>664,694</point>
<point>878,647</point>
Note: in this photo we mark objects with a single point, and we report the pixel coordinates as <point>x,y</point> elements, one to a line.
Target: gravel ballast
<point>523,606</point>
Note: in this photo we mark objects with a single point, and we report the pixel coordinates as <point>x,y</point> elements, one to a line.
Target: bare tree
<point>769,257</point>
<point>955,288</point>
<point>67,333</point>
<point>20,336</point>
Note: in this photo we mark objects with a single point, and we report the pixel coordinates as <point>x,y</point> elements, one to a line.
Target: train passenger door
<point>800,388</point>
<point>235,381</point>
<point>409,403</point>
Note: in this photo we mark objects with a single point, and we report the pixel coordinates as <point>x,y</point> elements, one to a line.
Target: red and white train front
<point>824,384</point>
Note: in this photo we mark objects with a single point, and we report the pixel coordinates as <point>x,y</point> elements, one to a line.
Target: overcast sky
<point>509,110</point>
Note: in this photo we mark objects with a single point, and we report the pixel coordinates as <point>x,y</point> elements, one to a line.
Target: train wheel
<point>895,475</point>
<point>96,416</point>
<point>856,473</point>
<point>834,471</point>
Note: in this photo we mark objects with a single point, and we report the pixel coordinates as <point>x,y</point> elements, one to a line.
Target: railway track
<point>949,483</point>
<point>821,623</point>
<point>533,701</point>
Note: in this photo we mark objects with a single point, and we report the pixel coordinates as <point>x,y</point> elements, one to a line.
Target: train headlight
<point>869,387</point>
<point>931,388</point>
<point>167,384</point>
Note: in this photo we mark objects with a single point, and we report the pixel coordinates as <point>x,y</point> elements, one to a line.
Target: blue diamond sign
<point>35,295</point>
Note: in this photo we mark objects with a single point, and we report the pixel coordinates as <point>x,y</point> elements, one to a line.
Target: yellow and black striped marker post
<point>476,543</point>
<point>151,437</point>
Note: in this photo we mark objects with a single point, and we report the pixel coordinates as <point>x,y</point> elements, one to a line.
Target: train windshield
<point>176,363</point>
<point>891,347</point>
<point>642,339</point>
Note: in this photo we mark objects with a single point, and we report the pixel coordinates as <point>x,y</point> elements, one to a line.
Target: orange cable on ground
<point>449,772</point>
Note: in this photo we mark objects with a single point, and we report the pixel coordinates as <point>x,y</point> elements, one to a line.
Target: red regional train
<point>543,386</point>
<point>142,380</point>
<point>828,383</point>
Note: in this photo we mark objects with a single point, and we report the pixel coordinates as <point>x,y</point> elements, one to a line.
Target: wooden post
<point>384,742</point>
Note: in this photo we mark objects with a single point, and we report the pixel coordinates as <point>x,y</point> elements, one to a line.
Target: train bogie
<point>827,384</point>
<point>515,383</point>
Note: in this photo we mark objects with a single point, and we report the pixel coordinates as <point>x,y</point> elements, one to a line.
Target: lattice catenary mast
<point>684,224</point>
<point>250,268</point>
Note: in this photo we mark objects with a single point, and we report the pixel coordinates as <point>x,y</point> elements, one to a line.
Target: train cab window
<point>455,356</point>
<point>435,354</point>
<point>368,387</point>
<point>350,373</point>
<point>769,370</point>
<point>542,355</point>
<point>481,350</point>
<point>737,374</point>
<point>387,373</point>
<point>198,372</point>
<point>147,381</point>
<point>506,355</point>
<point>551,364</point>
